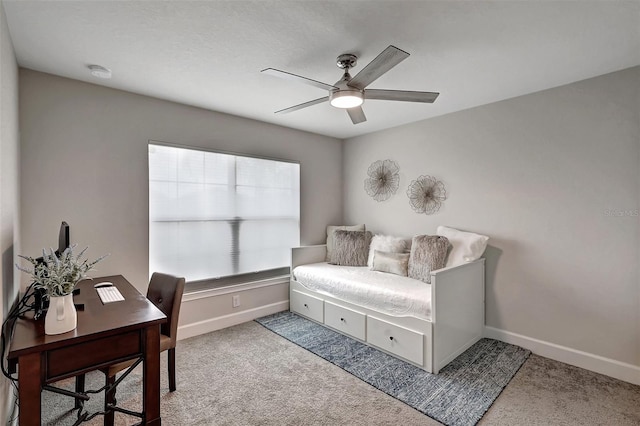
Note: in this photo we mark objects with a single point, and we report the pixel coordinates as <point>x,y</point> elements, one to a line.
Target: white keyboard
<point>109,294</point>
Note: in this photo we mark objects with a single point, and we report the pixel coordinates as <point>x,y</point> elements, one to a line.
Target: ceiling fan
<point>350,92</point>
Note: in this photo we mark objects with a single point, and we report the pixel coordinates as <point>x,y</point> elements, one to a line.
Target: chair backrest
<point>165,291</point>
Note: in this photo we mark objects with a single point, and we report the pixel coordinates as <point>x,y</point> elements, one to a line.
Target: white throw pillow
<point>465,246</point>
<point>385,243</point>
<point>331,229</point>
<point>393,263</point>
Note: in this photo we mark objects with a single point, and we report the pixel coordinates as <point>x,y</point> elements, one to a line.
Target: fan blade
<point>401,95</point>
<point>389,58</point>
<point>293,77</point>
<point>357,115</point>
<point>304,105</point>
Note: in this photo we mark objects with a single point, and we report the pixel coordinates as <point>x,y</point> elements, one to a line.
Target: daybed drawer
<point>345,320</point>
<point>306,305</point>
<point>403,342</point>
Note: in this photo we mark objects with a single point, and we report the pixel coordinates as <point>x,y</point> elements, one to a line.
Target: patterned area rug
<point>458,396</point>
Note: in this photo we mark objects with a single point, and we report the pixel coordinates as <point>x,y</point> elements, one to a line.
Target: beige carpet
<point>247,375</point>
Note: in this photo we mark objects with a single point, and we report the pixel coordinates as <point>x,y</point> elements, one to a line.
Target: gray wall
<point>84,160</point>
<point>545,176</point>
<point>9,165</point>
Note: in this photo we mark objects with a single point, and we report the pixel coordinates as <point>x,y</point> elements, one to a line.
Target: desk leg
<point>29,381</point>
<point>151,397</point>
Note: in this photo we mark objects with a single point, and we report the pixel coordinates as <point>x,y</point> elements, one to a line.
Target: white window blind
<point>215,215</point>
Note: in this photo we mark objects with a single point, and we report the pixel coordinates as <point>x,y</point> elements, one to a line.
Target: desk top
<point>96,320</point>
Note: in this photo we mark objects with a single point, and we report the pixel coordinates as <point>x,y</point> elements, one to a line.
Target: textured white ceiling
<point>209,53</point>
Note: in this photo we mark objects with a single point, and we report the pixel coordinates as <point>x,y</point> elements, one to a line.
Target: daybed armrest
<point>307,254</point>
<point>457,282</point>
<point>454,269</point>
<point>457,309</point>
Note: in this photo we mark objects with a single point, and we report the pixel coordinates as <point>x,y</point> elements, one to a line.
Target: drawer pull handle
<point>342,319</point>
<point>390,337</point>
<point>306,306</point>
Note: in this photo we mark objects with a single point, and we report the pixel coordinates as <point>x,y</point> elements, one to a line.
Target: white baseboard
<point>607,366</point>
<point>225,321</point>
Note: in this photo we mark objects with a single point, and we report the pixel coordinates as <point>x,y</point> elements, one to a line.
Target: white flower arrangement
<point>59,275</point>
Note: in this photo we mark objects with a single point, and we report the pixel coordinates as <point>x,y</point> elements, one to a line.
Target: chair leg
<point>79,389</point>
<point>171,355</point>
<point>109,398</point>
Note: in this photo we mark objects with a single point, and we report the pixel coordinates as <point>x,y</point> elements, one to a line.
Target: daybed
<point>427,325</point>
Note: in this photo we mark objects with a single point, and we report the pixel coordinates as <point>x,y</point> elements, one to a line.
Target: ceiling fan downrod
<point>345,62</point>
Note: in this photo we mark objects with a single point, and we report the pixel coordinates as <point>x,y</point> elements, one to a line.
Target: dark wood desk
<point>105,334</point>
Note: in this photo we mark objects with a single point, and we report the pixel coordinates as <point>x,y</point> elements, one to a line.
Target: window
<point>215,215</point>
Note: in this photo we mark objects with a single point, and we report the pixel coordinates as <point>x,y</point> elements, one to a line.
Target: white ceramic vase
<point>61,316</point>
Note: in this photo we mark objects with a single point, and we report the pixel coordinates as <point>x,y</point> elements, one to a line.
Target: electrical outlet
<point>235,300</point>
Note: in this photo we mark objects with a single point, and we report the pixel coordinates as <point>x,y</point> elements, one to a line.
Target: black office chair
<point>165,291</point>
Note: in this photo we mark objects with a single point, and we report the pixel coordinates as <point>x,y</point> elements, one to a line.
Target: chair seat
<point>165,344</point>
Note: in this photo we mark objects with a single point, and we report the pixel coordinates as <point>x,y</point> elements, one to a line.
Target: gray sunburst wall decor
<point>383,180</point>
<point>426,194</point>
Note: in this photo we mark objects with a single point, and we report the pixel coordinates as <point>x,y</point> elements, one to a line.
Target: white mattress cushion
<point>387,293</point>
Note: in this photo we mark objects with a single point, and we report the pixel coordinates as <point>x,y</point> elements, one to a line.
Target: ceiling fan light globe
<point>346,99</point>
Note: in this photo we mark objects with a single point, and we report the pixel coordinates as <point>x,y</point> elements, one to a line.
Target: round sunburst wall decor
<point>426,194</point>
<point>383,180</point>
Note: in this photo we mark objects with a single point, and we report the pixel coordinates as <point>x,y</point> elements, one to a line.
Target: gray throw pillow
<point>428,253</point>
<point>333,228</point>
<point>393,263</point>
<point>350,248</point>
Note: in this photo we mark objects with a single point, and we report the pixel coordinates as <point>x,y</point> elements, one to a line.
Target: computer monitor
<point>63,238</point>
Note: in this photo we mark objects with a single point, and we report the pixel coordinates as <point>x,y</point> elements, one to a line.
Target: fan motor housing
<point>346,92</point>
